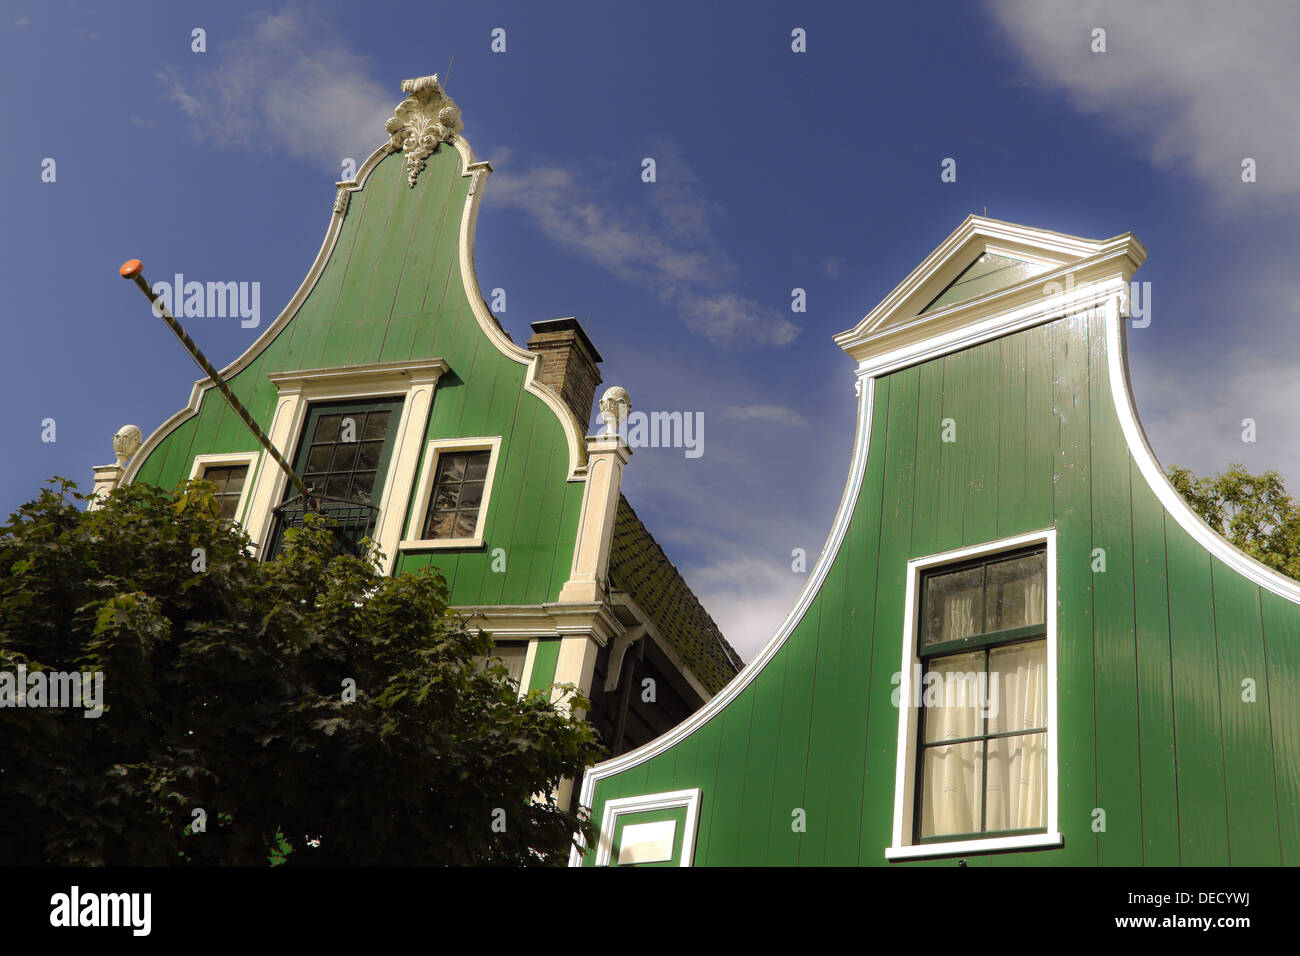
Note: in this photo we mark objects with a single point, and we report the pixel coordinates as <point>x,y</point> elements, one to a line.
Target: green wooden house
<point>1019,645</point>
<point>413,418</point>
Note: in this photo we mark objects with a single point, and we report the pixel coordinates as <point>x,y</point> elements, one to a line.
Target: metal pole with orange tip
<point>133,269</point>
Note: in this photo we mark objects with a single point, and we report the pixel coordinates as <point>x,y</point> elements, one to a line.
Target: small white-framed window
<point>454,494</point>
<point>233,474</point>
<point>977,728</point>
<point>652,828</point>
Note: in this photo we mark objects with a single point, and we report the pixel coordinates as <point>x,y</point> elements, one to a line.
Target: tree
<point>1254,512</point>
<point>227,689</point>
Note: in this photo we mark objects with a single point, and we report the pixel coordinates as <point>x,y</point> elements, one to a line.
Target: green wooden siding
<point>392,291</point>
<point>1153,651</point>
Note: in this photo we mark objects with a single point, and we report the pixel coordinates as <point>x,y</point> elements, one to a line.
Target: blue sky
<point>818,170</point>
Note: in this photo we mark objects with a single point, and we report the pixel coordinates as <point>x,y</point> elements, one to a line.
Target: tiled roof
<point>639,566</point>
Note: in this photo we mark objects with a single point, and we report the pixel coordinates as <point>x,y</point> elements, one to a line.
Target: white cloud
<point>675,256</point>
<point>748,599</point>
<point>1201,84</point>
<point>290,84</point>
<point>777,414</point>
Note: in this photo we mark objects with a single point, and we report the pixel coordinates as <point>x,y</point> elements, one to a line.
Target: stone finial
<point>126,443</point>
<point>614,407</point>
<point>426,118</point>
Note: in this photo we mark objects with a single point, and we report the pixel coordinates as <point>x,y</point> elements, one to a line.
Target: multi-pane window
<point>982,767</point>
<point>229,480</point>
<point>343,457</point>
<point>457,494</point>
<point>346,451</point>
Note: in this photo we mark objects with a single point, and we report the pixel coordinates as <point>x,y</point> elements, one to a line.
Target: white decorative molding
<point>607,456</point>
<point>415,527</point>
<point>342,198</point>
<point>1158,481</point>
<point>421,122</point>
<point>905,770</point>
<point>625,806</point>
<point>896,323</point>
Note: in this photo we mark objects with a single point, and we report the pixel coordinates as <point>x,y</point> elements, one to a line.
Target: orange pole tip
<point>131,268</point>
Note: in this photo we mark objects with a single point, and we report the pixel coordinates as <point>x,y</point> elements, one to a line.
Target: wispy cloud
<point>666,246</point>
<point>776,414</point>
<point>290,84</point>
<point>1201,84</point>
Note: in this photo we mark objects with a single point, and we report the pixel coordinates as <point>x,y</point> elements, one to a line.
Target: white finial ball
<point>614,407</point>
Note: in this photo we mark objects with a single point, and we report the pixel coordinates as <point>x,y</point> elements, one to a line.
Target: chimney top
<point>569,363</point>
<point>568,324</point>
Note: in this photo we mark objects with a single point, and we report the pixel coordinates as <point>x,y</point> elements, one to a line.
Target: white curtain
<point>953,776</point>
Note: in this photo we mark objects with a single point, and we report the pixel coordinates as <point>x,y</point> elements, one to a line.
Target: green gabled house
<point>1019,645</point>
<point>390,387</point>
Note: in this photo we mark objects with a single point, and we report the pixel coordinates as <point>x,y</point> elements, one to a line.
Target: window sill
<point>439,544</point>
<point>1029,841</point>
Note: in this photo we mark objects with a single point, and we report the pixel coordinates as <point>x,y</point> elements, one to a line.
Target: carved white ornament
<point>614,407</point>
<point>126,443</point>
<point>426,118</point>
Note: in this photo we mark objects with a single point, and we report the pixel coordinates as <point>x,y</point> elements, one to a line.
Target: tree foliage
<point>225,691</point>
<point>1254,512</point>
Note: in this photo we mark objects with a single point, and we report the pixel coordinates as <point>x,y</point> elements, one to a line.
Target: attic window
<point>988,273</point>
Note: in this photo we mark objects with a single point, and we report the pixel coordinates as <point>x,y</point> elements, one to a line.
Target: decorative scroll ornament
<point>422,121</point>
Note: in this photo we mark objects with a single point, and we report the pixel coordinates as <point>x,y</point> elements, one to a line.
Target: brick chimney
<point>568,363</point>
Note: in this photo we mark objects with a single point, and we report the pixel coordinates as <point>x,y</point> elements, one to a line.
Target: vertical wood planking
<point>1076,736</point>
<point>1119,783</point>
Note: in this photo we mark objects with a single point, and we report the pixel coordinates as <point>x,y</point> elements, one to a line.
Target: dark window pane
<point>954,606</point>
<point>368,456</point>
<point>451,467</point>
<point>345,456</point>
<point>376,426</point>
<point>318,459</point>
<point>1015,592</point>
<point>440,525</point>
<point>228,505</point>
<point>471,493</point>
<point>477,465</point>
<point>363,482</point>
<point>465,521</point>
<point>327,429</point>
<point>337,485</point>
<point>350,428</point>
<point>445,497</point>
<point>235,479</point>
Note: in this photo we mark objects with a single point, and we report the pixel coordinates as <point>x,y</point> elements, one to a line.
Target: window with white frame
<point>454,494</point>
<point>232,475</point>
<point>976,765</point>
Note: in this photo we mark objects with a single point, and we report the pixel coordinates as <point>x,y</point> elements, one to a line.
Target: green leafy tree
<point>227,689</point>
<point>1254,512</point>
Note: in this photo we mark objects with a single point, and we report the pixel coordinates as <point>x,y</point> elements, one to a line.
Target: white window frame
<point>412,381</point>
<point>250,458</point>
<point>690,799</point>
<point>909,712</point>
<point>433,451</point>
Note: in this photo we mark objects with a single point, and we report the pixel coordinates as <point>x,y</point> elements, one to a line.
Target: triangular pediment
<point>985,267</point>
